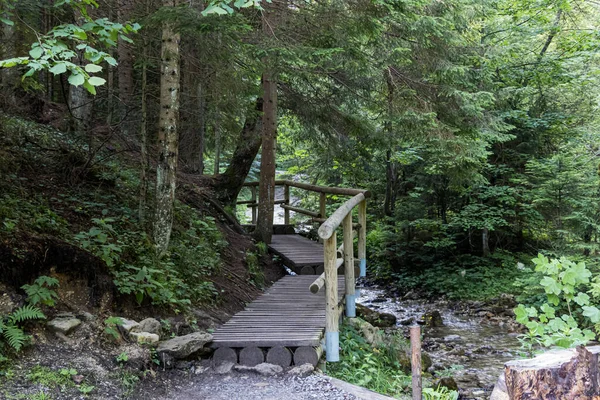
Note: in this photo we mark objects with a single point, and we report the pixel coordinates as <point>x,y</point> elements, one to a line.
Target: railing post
<point>286,198</point>
<point>332,334</point>
<point>362,237</point>
<point>349,267</point>
<point>253,198</point>
<point>322,204</point>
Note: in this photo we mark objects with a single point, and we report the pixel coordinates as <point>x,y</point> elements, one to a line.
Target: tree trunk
<point>485,242</point>
<point>266,189</point>
<point>79,100</point>
<point>167,135</point>
<point>9,75</point>
<point>125,69</point>
<point>217,133</point>
<point>196,161</point>
<point>144,139</point>
<point>229,183</point>
<point>564,374</point>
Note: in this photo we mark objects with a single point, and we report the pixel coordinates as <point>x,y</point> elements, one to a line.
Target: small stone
<point>86,316</point>
<point>303,370</point>
<point>63,325</point>
<point>452,338</point>
<point>144,337</point>
<point>432,319</point>
<point>183,365</point>
<point>78,379</point>
<point>224,368</point>
<point>150,325</point>
<point>407,321</point>
<point>129,324</point>
<point>201,369</point>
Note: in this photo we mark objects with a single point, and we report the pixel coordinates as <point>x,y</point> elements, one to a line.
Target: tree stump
<point>223,354</point>
<point>307,355</point>
<point>251,356</point>
<point>279,356</point>
<point>319,269</point>
<point>570,374</point>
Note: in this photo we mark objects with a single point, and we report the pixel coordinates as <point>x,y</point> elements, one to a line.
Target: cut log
<point>307,355</point>
<point>559,374</point>
<point>223,354</point>
<point>279,356</point>
<point>251,356</point>
<point>307,270</point>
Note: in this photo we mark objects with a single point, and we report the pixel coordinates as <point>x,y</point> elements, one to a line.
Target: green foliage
<point>110,327</point>
<point>257,276</point>
<point>11,331</point>
<point>373,368</point>
<point>563,320</point>
<point>41,292</point>
<point>440,393</point>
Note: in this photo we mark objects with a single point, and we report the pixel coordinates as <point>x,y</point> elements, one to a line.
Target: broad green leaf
<point>214,9</point>
<point>592,313</point>
<point>92,68</point>
<point>551,285</point>
<point>96,81</point>
<point>76,79</point>
<point>582,299</point>
<point>59,68</point>
<point>36,52</point>
<point>6,21</point>
<point>548,310</point>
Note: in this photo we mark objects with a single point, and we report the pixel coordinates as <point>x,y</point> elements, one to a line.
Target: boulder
<point>150,325</point>
<point>432,319</point>
<point>372,335</point>
<point>64,324</point>
<point>448,382</point>
<point>264,369</point>
<point>183,346</point>
<point>144,337</point>
<point>224,368</point>
<point>380,320</point>
<point>137,357</point>
<point>129,325</point>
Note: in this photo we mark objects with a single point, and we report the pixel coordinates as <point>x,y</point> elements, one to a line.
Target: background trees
<point>473,123</point>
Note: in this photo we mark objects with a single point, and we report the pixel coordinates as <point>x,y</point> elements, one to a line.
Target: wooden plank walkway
<point>287,315</point>
<point>298,252</point>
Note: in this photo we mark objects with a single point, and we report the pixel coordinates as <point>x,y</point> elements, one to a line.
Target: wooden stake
<point>415,351</point>
<point>286,198</point>
<point>349,267</point>
<point>362,237</point>
<point>332,334</point>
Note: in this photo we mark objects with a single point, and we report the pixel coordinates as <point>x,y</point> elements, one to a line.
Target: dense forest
<point>128,129</point>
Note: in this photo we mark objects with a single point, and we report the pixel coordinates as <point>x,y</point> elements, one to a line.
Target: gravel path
<point>239,386</point>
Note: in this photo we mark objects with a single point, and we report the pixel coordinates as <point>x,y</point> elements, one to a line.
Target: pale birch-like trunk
<point>144,139</point>
<point>125,70</point>
<point>167,135</point>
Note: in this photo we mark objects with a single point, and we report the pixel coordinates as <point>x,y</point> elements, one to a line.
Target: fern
<point>10,331</point>
<point>25,313</point>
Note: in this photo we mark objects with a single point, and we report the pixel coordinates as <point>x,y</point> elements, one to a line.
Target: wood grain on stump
<point>319,270</point>
<point>307,355</point>
<point>279,355</point>
<point>570,374</point>
<point>251,356</point>
<point>223,354</point>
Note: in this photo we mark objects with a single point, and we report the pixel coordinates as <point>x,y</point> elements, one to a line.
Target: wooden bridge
<point>298,317</point>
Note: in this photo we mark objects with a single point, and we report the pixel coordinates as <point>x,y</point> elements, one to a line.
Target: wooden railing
<point>328,233</point>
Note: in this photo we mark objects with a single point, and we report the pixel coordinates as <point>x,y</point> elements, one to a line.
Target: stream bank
<point>472,344</point>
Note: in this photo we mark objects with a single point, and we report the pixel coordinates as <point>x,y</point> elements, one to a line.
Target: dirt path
<point>241,386</point>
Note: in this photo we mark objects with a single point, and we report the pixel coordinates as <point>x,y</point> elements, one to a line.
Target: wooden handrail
<point>318,284</point>
<point>300,211</point>
<point>328,227</point>
<point>317,188</point>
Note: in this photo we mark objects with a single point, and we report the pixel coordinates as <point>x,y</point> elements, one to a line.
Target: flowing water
<point>467,347</point>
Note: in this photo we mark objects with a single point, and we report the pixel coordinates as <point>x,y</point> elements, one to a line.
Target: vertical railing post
<point>286,199</point>
<point>362,237</point>
<point>415,351</point>
<point>332,334</point>
<point>253,199</point>
<point>322,205</point>
<point>349,267</point>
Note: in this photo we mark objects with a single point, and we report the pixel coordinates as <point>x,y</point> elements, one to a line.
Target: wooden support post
<point>279,355</point>
<point>322,205</point>
<point>415,351</point>
<point>362,237</point>
<point>332,334</point>
<point>349,267</point>
<point>251,356</point>
<point>253,198</point>
<point>307,355</point>
<point>286,198</point>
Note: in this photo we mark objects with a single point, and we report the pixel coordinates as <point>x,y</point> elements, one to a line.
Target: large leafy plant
<point>565,318</point>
